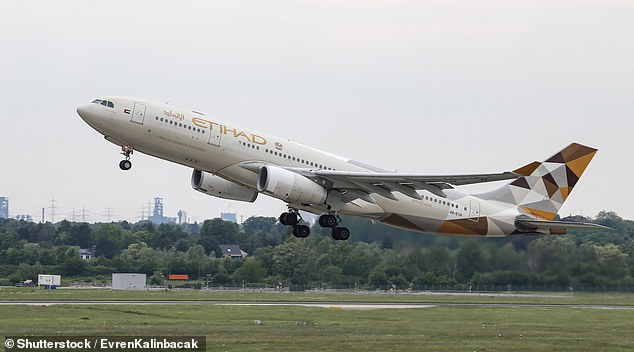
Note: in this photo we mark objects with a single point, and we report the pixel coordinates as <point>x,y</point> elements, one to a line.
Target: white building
<point>128,281</point>
<point>49,280</point>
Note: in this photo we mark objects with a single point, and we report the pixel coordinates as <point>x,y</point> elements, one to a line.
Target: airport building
<point>125,281</point>
<point>4,207</point>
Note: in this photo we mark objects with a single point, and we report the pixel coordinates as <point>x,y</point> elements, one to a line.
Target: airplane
<point>237,163</point>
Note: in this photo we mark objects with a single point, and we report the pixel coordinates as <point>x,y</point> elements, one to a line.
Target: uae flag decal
<point>127,111</point>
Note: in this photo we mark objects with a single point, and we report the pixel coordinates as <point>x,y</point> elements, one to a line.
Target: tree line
<point>375,257</point>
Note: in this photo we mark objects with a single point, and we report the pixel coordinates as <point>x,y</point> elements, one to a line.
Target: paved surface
<point>333,305</point>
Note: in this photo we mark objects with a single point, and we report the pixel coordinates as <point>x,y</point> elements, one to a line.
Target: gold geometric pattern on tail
<point>546,185</point>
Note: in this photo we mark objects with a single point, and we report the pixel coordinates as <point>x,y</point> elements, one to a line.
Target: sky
<point>428,87</point>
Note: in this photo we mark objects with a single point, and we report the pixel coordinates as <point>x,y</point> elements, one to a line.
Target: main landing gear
<point>126,151</point>
<point>331,221</point>
<point>291,218</point>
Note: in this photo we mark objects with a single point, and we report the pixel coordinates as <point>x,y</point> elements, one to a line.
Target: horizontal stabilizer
<point>553,226</point>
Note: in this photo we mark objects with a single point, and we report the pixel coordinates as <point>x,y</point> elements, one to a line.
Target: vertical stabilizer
<point>545,186</point>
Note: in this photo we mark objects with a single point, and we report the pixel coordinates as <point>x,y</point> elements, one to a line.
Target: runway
<point>330,305</point>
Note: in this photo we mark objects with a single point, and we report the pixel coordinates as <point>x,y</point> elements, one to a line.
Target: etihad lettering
<point>175,115</point>
<point>236,133</point>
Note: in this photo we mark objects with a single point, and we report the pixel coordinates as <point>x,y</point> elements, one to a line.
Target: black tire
<point>335,234</point>
<point>125,165</point>
<point>291,219</point>
<point>344,233</point>
<point>327,220</point>
<point>301,231</point>
<point>282,219</point>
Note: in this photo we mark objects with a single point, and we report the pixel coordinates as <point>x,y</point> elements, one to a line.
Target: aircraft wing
<point>557,227</point>
<point>363,184</point>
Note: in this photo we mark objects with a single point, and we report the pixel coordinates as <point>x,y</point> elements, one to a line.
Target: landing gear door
<point>138,114</point>
<point>214,135</point>
<point>474,210</point>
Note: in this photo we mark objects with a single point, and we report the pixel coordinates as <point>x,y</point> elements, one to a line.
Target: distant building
<point>232,251</point>
<point>182,217</point>
<point>86,254</point>
<point>157,216</point>
<point>129,281</point>
<point>25,217</point>
<point>49,281</point>
<point>231,217</point>
<point>4,207</point>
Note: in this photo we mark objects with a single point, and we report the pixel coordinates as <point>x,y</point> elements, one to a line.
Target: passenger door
<point>474,210</point>
<point>214,135</point>
<point>138,114</point>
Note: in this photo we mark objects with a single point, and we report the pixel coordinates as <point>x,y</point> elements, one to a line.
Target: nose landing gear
<point>126,164</point>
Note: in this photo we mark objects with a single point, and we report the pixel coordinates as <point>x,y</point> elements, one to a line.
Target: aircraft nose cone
<point>83,110</point>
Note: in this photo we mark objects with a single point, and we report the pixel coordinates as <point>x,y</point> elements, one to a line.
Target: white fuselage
<point>221,148</point>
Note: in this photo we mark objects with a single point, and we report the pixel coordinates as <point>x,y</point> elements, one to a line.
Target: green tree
<point>73,264</point>
<point>251,271</point>
<point>216,232</point>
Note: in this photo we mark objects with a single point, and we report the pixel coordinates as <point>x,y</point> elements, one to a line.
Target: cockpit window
<point>104,103</point>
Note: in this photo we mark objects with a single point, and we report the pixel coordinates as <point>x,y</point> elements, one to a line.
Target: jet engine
<point>219,187</point>
<point>290,186</point>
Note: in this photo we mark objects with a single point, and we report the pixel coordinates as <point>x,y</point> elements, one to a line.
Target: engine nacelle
<point>289,186</point>
<point>219,187</point>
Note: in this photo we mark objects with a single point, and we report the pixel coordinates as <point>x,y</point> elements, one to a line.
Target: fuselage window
<point>171,122</point>
<point>203,131</point>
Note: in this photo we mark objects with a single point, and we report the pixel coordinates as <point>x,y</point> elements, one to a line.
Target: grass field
<point>283,328</point>
<point>33,293</point>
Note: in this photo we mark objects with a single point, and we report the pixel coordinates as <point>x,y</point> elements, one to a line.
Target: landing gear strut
<point>126,151</point>
<point>291,218</point>
<point>331,221</point>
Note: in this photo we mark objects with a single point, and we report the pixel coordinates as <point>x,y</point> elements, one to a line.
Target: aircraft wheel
<point>344,233</point>
<point>291,219</point>
<point>125,164</point>
<point>301,231</point>
<point>340,233</point>
<point>327,220</point>
<point>282,218</point>
<point>288,219</point>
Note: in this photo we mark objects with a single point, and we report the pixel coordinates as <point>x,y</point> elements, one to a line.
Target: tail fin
<point>545,186</point>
